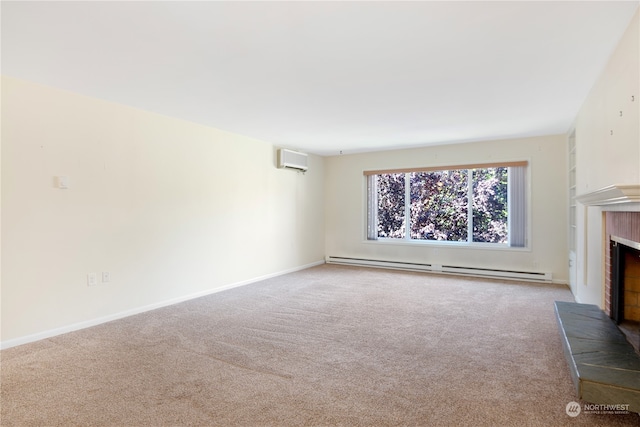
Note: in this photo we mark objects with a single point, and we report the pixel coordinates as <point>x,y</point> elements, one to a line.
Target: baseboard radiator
<point>445,269</point>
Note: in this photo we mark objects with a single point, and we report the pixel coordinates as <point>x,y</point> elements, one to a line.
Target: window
<point>465,204</point>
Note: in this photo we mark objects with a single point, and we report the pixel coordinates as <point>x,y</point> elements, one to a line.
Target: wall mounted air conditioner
<point>292,160</point>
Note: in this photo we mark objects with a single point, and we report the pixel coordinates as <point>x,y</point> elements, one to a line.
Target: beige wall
<point>170,208</point>
<point>346,205</point>
<point>604,159</point>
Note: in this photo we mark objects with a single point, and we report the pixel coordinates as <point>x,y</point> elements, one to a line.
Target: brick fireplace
<point>604,358</point>
<point>622,228</point>
<point>622,275</point>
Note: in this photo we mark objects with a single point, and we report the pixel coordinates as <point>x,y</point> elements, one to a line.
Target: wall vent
<point>290,159</point>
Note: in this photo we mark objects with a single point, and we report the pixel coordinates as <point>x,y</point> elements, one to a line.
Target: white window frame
<point>519,207</point>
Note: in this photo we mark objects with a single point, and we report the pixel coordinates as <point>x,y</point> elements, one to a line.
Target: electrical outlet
<point>106,277</point>
<point>92,279</point>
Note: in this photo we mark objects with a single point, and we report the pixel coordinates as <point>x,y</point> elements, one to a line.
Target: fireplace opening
<point>625,288</point>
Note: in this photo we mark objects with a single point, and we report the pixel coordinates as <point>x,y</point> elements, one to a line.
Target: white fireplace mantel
<point>612,195</point>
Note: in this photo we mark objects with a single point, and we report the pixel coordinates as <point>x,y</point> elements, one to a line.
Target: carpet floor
<point>326,346</point>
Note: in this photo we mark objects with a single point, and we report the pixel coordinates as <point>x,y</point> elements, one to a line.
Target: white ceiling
<point>327,76</point>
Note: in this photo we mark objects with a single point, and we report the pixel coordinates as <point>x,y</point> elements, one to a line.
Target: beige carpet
<point>327,346</point>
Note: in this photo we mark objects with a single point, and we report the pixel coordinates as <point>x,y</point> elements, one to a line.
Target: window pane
<point>490,209</point>
<point>391,206</point>
<point>439,205</point>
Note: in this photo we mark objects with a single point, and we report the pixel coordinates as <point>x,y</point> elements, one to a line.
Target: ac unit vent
<point>292,160</point>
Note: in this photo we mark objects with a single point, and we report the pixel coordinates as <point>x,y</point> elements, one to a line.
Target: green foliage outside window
<point>439,205</point>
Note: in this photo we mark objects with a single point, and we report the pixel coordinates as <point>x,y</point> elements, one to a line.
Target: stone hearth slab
<point>604,366</point>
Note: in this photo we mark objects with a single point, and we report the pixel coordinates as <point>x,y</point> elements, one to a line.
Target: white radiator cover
<point>531,276</point>
<point>292,159</point>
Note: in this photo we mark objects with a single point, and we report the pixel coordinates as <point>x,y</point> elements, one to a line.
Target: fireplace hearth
<point>632,331</point>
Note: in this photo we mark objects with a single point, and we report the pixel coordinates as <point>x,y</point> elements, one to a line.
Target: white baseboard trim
<point>104,319</point>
